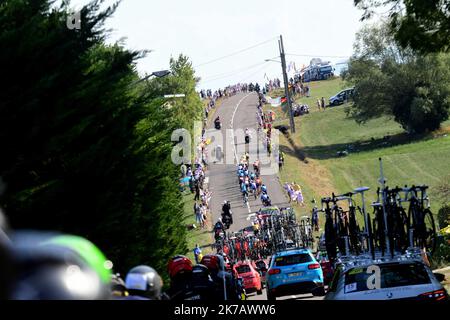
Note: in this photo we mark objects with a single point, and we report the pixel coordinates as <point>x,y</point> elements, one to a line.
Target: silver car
<point>386,280</point>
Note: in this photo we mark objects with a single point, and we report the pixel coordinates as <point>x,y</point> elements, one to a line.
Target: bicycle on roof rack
<point>420,221</point>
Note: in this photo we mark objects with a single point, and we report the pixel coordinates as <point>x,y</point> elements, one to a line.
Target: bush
<point>444,216</point>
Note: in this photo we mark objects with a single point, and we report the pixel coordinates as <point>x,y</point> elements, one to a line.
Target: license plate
<point>295,274</point>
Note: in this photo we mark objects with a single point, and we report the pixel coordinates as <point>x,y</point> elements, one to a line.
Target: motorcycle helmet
<point>212,262</point>
<point>179,265</point>
<point>59,267</point>
<point>144,281</point>
<point>200,274</point>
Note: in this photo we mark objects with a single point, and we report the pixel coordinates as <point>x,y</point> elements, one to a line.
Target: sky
<point>206,30</point>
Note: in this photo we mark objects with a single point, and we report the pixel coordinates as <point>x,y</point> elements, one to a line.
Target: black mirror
<point>439,276</point>
<point>318,292</point>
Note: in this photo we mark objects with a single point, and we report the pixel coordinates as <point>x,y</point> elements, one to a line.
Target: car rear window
<point>243,269</point>
<point>292,259</point>
<point>392,275</point>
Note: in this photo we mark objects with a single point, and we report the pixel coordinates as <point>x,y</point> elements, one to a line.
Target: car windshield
<point>243,269</point>
<point>392,275</point>
<point>292,259</point>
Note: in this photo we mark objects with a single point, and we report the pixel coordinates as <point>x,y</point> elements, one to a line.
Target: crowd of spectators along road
<point>39,265</point>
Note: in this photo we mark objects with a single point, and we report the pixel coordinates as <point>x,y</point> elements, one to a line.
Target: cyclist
<point>225,283</point>
<point>265,199</point>
<point>218,228</point>
<point>244,193</point>
<point>247,136</point>
<point>226,211</point>
<point>263,188</point>
<point>247,158</point>
<point>254,188</point>
<point>217,123</point>
<point>256,166</point>
<point>143,283</point>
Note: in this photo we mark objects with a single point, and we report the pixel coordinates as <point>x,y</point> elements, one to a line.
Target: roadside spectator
<point>197,254</point>
<point>183,170</point>
<point>323,103</point>
<point>319,104</point>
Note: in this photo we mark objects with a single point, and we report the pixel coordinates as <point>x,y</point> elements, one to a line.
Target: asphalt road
<point>239,112</point>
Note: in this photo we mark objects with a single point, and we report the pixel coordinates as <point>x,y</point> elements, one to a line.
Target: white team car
<point>407,279</point>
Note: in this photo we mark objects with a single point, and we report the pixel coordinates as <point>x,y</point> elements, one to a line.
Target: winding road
<point>239,112</point>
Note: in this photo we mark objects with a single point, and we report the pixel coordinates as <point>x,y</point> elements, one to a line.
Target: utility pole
<point>286,83</point>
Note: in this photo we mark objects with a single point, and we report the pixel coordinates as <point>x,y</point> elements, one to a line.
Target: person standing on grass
<point>197,254</point>
<point>280,161</point>
<point>197,191</point>
<point>197,211</point>
<point>319,104</point>
<point>323,103</point>
<point>183,170</point>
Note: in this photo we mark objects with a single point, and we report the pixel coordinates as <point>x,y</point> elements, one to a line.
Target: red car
<point>327,268</point>
<point>252,279</point>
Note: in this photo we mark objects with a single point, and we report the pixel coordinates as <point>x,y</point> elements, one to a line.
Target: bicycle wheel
<point>378,230</point>
<point>399,230</point>
<point>428,234</point>
<point>330,238</point>
<point>370,238</point>
<point>353,229</point>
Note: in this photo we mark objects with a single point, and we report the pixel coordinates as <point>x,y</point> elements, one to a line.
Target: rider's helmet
<point>201,275</point>
<point>214,262</point>
<point>59,267</point>
<point>144,281</point>
<point>179,265</point>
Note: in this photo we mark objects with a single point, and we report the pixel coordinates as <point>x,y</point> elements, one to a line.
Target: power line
<point>235,53</point>
<point>314,55</point>
<point>231,73</point>
<point>251,75</point>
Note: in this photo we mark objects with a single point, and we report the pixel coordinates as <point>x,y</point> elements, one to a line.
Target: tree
<point>423,25</point>
<point>397,82</point>
<point>83,150</point>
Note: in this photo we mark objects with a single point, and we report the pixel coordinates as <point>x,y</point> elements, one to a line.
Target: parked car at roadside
<point>341,97</point>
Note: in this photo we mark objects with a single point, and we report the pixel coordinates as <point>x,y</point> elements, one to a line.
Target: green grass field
<point>321,134</point>
<point>201,236</point>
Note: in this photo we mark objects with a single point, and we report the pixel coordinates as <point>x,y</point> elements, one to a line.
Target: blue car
<point>291,272</point>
